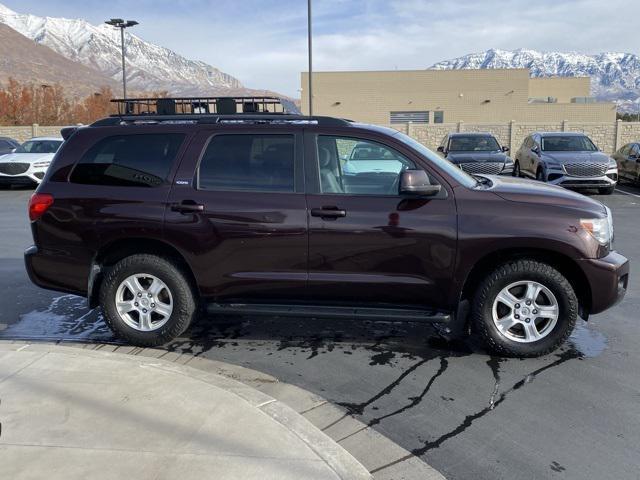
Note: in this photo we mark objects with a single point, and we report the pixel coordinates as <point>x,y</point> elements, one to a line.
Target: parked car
<point>628,161</point>
<point>476,153</point>
<point>8,145</point>
<point>29,162</point>
<point>151,216</point>
<point>365,157</point>
<point>567,159</point>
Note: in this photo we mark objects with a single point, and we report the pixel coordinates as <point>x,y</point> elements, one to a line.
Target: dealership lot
<point>572,414</point>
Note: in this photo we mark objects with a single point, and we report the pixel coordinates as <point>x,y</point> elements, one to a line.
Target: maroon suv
<point>152,215</point>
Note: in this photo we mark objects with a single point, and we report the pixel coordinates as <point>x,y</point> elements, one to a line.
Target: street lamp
<point>121,24</point>
<point>310,57</point>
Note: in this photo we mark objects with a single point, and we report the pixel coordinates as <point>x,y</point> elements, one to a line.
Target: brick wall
<point>21,133</point>
<point>609,137</point>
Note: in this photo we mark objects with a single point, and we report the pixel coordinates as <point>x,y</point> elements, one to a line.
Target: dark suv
<point>151,216</point>
<point>476,153</point>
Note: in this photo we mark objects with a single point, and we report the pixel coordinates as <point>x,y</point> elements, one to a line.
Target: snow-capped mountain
<point>149,67</point>
<point>614,76</point>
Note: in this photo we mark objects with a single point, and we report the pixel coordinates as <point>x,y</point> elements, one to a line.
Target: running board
<point>391,314</point>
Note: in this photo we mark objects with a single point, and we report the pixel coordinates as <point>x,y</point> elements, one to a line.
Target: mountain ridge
<point>615,76</point>
<point>150,67</point>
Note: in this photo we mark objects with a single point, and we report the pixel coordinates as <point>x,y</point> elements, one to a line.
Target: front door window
<point>359,167</point>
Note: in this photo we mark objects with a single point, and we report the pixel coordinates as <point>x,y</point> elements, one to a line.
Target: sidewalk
<point>70,413</point>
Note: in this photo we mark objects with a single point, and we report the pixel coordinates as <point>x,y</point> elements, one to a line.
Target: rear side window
<point>129,160</point>
<point>262,163</point>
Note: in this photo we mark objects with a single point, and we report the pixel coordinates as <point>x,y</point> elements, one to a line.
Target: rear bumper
<point>45,272</point>
<point>608,278</point>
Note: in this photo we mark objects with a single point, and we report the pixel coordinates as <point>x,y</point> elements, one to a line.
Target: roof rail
<point>256,119</point>
<point>204,105</point>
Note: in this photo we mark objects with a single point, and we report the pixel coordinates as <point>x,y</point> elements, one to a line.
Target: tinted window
<point>568,143</point>
<point>357,167</point>
<point>129,160</point>
<point>263,163</point>
<point>438,116</point>
<point>39,146</point>
<point>473,143</point>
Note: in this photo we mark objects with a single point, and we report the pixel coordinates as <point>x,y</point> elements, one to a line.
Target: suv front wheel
<point>525,308</point>
<point>147,300</point>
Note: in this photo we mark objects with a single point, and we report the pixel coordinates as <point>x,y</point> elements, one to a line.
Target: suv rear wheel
<point>147,300</point>
<point>525,308</point>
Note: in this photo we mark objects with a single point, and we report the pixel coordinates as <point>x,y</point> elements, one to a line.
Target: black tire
<point>516,169</point>
<point>184,300</point>
<point>606,190</point>
<point>540,175</point>
<point>512,272</point>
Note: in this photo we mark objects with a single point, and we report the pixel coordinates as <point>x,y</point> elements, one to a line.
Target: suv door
<point>631,165</point>
<point>238,213</point>
<point>523,155</point>
<point>621,157</point>
<point>367,243</point>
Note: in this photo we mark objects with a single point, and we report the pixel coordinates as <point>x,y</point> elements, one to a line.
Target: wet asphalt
<point>574,414</point>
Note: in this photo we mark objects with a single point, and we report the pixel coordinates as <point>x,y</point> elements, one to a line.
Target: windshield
<point>462,177</point>
<point>569,143</point>
<point>39,146</point>
<point>473,143</point>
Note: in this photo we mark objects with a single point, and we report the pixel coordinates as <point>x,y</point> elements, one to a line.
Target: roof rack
<point>204,105</point>
<point>210,110</point>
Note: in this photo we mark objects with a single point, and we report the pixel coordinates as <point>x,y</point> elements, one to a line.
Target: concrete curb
<point>370,449</point>
<point>336,457</point>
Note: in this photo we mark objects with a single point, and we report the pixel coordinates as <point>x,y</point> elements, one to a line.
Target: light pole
<point>121,24</point>
<point>310,46</point>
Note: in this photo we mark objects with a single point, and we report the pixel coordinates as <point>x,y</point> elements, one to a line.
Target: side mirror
<point>416,182</point>
<point>505,148</point>
<point>535,149</point>
<point>441,149</point>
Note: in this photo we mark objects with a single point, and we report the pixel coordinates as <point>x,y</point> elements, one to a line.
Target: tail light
<point>38,204</point>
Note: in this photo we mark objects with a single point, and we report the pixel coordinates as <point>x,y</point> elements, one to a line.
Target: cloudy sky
<point>263,42</point>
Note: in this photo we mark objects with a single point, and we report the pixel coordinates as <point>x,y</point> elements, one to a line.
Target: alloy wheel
<point>525,311</point>
<point>144,302</point>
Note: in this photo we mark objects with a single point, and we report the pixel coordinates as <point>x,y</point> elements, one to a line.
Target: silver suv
<point>567,159</point>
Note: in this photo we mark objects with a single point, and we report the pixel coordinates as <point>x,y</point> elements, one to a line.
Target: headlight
<point>600,228</point>
<point>612,163</point>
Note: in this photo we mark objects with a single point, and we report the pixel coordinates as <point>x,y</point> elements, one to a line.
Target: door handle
<point>188,206</point>
<point>328,212</point>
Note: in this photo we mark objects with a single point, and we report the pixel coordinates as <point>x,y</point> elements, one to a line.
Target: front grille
<point>12,168</point>
<point>486,168</point>
<point>586,169</point>
<point>584,183</point>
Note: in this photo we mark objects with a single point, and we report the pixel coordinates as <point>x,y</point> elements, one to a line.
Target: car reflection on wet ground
<point>287,348</point>
<point>574,413</point>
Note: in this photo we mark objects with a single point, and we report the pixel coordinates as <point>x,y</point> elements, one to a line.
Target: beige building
<point>450,96</point>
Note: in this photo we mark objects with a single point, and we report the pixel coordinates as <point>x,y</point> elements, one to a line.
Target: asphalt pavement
<point>574,414</point>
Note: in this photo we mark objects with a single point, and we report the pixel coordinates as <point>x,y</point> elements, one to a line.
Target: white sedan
<point>29,162</point>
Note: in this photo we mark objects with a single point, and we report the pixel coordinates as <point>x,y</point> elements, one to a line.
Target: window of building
<point>359,167</point>
<point>129,160</point>
<point>409,117</point>
<point>262,163</point>
<point>438,116</point>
